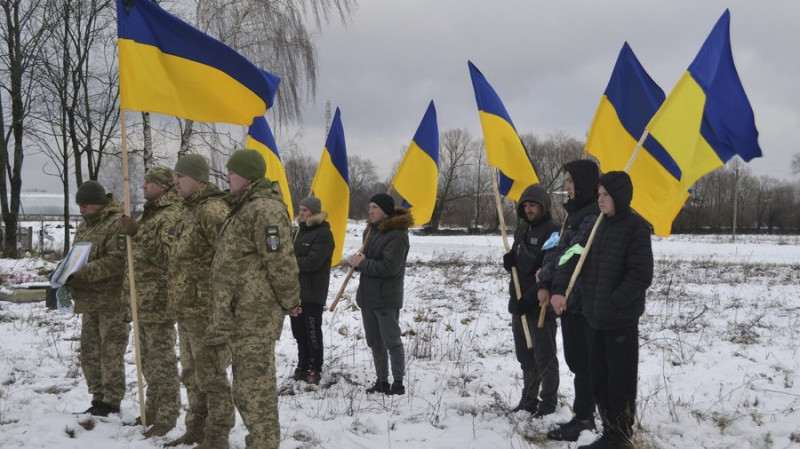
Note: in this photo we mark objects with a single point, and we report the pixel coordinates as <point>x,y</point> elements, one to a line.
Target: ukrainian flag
<point>260,138</point>
<point>169,67</point>
<point>504,149</point>
<point>707,118</point>
<point>331,184</point>
<point>417,178</point>
<point>629,101</point>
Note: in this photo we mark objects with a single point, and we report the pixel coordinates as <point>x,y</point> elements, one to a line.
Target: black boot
<point>570,431</point>
<point>381,386</point>
<point>397,388</point>
<point>105,409</point>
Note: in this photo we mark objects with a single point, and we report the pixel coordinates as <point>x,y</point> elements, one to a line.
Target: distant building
<point>38,205</point>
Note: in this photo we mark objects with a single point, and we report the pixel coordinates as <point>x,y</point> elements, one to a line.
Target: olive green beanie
<point>194,166</point>
<point>159,175</point>
<point>249,164</point>
<point>91,192</point>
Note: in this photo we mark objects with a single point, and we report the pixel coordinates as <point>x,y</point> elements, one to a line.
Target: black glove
<point>529,302</point>
<point>509,261</point>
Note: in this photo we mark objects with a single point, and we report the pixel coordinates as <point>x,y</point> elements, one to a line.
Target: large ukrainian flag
<point>707,118</point>
<point>629,101</point>
<point>260,138</point>
<point>332,184</point>
<point>504,149</point>
<point>169,67</point>
<point>417,178</point>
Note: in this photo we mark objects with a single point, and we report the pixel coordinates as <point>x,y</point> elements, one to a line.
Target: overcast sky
<point>548,60</point>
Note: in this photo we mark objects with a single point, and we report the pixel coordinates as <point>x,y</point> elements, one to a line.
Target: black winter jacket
<point>313,247</point>
<point>384,269</point>
<point>527,248</point>
<point>619,267</point>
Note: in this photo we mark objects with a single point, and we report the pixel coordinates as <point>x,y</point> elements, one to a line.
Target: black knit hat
<point>618,184</point>
<point>91,192</point>
<point>193,166</point>
<point>312,203</point>
<point>385,202</point>
<point>249,164</point>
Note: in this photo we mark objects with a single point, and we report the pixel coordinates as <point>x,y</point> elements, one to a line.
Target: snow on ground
<point>719,359</point>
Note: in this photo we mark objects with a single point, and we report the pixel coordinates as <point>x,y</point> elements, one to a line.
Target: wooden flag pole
<point>132,281</point>
<point>514,274</point>
<point>585,253</point>
<point>352,269</point>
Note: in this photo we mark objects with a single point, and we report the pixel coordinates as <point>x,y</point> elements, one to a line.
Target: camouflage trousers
<point>254,390</point>
<point>160,369</point>
<point>104,338</point>
<point>204,373</point>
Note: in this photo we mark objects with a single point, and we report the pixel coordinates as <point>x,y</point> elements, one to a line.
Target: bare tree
<point>23,29</point>
<point>363,180</point>
<point>795,164</point>
<point>456,148</point>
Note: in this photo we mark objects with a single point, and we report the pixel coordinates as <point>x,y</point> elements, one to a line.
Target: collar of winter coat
<point>209,191</point>
<point>401,219</point>
<point>315,220</point>
<point>168,199</point>
<point>263,188</point>
<point>112,207</point>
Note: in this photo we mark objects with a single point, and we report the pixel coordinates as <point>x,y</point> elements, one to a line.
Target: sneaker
<point>313,377</point>
<point>397,388</point>
<point>104,409</point>
<point>570,431</point>
<point>381,386</point>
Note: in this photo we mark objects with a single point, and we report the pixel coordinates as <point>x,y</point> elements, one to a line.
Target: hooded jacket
<point>103,271</point>
<point>583,211</point>
<point>528,240</point>
<point>384,269</point>
<point>313,248</point>
<point>619,267</point>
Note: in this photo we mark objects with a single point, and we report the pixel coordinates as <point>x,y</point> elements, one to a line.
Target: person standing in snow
<point>96,289</point>
<point>152,241</point>
<point>254,281</point>
<point>203,367</point>
<point>614,282</point>
<point>540,363</point>
<point>313,248</point>
<point>380,290</point>
<point>580,181</point>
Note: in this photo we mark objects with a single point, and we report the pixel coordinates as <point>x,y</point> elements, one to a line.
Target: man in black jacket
<point>539,364</point>
<point>580,181</point>
<point>380,291</point>
<point>614,281</point>
<point>313,247</point>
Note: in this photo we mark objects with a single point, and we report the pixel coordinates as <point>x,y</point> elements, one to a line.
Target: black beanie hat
<point>618,184</point>
<point>249,164</point>
<point>385,202</point>
<point>91,192</point>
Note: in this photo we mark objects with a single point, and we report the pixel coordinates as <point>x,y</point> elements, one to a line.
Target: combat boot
<point>158,430</point>
<point>104,409</point>
<point>190,437</point>
<point>214,444</point>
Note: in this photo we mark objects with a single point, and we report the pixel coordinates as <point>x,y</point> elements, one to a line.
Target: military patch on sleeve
<point>122,241</point>
<point>273,238</point>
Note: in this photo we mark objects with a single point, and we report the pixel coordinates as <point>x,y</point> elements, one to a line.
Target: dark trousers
<point>539,364</point>
<point>614,363</point>
<point>575,336</point>
<point>307,330</point>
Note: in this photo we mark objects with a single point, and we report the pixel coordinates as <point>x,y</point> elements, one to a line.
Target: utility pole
<point>327,117</point>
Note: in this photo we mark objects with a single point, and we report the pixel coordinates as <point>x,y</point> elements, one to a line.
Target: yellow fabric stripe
<point>504,150</point>
<point>416,181</point>
<point>334,193</point>
<point>275,171</point>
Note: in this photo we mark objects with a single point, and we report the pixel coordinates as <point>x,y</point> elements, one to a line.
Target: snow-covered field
<point>719,359</point>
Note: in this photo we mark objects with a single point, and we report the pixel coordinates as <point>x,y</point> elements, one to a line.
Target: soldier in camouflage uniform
<point>203,368</point>
<point>254,276</point>
<point>152,240</point>
<point>96,288</point>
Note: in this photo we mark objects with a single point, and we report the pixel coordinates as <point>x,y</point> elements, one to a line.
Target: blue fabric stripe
<point>487,99</point>
<point>337,148</point>
<point>261,132</point>
<point>146,23</point>
<point>427,135</point>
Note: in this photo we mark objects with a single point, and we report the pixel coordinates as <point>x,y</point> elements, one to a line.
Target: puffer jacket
<point>313,247</point>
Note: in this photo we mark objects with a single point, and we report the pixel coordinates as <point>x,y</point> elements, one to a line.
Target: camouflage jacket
<point>103,272</point>
<point>190,260</point>
<point>254,272</point>
<point>151,248</point>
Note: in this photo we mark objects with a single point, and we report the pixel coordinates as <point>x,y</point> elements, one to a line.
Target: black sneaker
<point>570,431</point>
<point>397,388</point>
<point>381,386</point>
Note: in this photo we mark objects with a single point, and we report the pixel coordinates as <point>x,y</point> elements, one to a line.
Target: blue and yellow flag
<point>169,67</point>
<point>707,118</point>
<point>332,184</point>
<point>417,178</point>
<point>504,149</point>
<point>629,101</point>
<point>260,138</point>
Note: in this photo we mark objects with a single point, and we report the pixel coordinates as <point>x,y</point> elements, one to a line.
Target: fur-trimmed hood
<point>401,219</point>
<point>315,220</point>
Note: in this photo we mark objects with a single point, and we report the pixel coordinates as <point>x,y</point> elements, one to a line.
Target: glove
<point>76,281</point>
<point>129,226</point>
<point>528,302</point>
<point>509,260</point>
